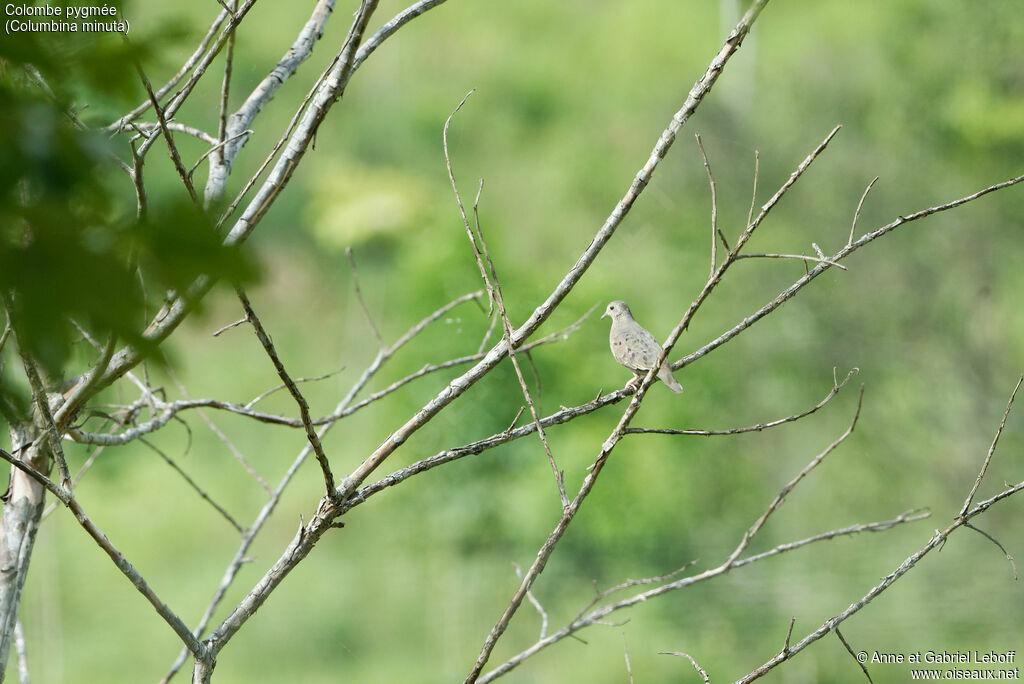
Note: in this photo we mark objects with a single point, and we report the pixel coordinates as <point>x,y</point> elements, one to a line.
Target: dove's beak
<point>603,315</point>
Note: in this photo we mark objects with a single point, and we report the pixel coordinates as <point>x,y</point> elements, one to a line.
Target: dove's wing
<point>634,347</point>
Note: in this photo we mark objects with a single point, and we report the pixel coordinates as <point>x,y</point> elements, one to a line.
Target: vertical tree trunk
<point>21,517</point>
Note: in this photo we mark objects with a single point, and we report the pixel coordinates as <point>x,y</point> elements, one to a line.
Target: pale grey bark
<point>22,513</point>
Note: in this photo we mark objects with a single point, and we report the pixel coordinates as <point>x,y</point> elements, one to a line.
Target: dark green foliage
<point>70,245</point>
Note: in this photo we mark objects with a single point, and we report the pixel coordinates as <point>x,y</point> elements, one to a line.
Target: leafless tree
<point>58,417</point>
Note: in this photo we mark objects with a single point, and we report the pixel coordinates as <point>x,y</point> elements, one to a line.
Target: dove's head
<point>617,310</point>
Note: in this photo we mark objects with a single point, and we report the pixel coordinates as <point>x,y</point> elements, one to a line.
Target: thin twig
<point>625,653</point>
<point>359,296</point>
<point>789,634</point>
<point>629,584</point>
<point>781,497</point>
<point>801,257</point>
<point>937,541</point>
<point>311,435</point>
<point>216,147</point>
<point>1009,558</point>
<point>225,84</point>
<point>44,412</point>
<point>235,451</point>
<point>991,450</point>
<point>854,655</point>
<point>536,604</point>
<point>192,483</point>
<point>171,146</point>
<point>495,288</point>
<point>186,90</point>
<point>714,207</point>
<point>462,210</point>
<point>793,289</point>
<point>753,193</point>
<point>145,128</point>
<point>693,662</point>
<point>856,214</point>
<point>229,326</point>
<point>316,378</point>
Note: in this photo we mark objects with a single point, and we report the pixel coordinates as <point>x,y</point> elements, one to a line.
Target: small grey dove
<point>634,347</point>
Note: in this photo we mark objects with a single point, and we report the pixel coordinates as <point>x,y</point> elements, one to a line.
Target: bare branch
<point>127,569</point>
<point>168,411</point>
<point>937,541</point>
<point>629,584</point>
<point>794,482</point>
<point>191,62</point>
<point>90,381</point>
<point>800,257</point>
<point>596,616</point>
<point>793,289</point>
<point>149,127</point>
<point>328,92</point>
<point>780,193</point>
<point>368,46</point>
<point>569,511</point>
<point>261,95</point>
<point>541,313</point>
<point>752,428</point>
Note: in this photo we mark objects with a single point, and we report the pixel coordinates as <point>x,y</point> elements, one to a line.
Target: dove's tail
<point>665,375</point>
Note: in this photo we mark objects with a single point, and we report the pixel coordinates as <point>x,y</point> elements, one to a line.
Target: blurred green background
<point>570,97</point>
